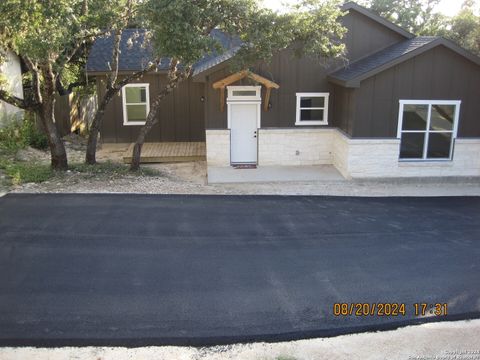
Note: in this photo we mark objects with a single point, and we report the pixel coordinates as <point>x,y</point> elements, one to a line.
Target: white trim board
<point>124,103</point>
<point>427,130</point>
<point>256,100</point>
<point>298,108</point>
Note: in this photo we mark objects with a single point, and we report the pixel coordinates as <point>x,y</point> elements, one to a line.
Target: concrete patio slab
<point>224,175</point>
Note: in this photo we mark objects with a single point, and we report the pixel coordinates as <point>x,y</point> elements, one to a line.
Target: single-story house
<point>11,71</point>
<point>402,106</point>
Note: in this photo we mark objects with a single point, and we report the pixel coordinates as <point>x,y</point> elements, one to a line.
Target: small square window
<point>312,109</point>
<point>136,104</point>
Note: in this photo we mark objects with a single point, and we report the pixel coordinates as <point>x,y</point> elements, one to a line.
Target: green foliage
<point>19,134</point>
<point>10,138</point>
<point>310,27</point>
<point>46,30</point>
<point>415,16</point>
<point>464,28</point>
<point>25,172</point>
<point>31,135</point>
<point>57,35</point>
<point>184,31</point>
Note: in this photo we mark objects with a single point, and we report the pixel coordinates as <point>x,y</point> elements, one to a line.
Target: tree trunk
<point>90,157</point>
<point>47,117</point>
<point>57,148</point>
<point>151,121</point>
<point>113,87</point>
<point>174,78</point>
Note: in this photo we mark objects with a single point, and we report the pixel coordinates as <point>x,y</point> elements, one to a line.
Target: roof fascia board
<point>364,11</point>
<point>459,50</point>
<point>202,76</point>
<point>336,81</point>
<point>354,83</point>
<point>396,61</point>
<point>124,72</point>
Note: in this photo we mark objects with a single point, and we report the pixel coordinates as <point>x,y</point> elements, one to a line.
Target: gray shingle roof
<point>363,67</point>
<point>135,55</point>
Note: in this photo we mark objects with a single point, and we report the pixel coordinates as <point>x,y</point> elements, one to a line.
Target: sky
<point>447,7</point>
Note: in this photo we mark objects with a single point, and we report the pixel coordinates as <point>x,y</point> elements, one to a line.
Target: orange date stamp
<point>389,309</point>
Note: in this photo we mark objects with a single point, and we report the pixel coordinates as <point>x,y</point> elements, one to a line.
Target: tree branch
<point>137,75</point>
<point>37,94</point>
<point>15,101</point>
<point>68,90</point>
<point>113,74</point>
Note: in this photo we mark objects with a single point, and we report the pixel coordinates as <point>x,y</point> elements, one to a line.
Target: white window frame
<point>325,96</point>
<point>124,103</point>
<point>231,89</point>
<point>427,131</point>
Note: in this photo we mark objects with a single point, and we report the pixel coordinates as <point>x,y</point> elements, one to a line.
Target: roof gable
<point>353,74</point>
<point>382,21</point>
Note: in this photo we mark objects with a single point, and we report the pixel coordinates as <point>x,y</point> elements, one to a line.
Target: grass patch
<point>112,169</point>
<point>25,172</point>
<point>18,173</point>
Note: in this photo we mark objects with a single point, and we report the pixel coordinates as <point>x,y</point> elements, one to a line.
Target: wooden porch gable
<point>222,84</point>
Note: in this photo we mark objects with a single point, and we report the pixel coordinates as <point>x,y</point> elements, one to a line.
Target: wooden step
<point>168,152</point>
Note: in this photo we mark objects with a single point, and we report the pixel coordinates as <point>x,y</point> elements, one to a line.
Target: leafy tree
<point>49,36</point>
<point>464,28</point>
<point>113,83</point>
<point>183,35</point>
<point>416,16</point>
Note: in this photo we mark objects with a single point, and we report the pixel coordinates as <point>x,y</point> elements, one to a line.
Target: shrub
<point>10,136</point>
<point>21,173</point>
<point>31,135</point>
<point>19,134</point>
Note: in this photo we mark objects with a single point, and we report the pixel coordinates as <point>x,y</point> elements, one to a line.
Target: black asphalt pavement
<point>138,270</point>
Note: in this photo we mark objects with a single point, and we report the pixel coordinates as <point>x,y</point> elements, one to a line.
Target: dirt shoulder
<point>444,340</point>
<point>191,178</point>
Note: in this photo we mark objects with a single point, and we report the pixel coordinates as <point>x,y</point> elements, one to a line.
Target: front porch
<point>274,174</point>
<point>165,152</point>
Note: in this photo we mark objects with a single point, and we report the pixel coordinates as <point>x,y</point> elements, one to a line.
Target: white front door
<point>243,132</point>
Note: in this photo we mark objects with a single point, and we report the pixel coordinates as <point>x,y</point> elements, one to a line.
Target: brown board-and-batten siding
<point>437,74</point>
<point>366,36</point>
<point>305,75</point>
<point>291,73</point>
<point>181,115</point>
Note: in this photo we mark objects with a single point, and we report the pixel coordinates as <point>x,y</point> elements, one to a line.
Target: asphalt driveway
<point>137,270</point>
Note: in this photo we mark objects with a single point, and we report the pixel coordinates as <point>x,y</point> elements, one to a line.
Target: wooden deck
<point>168,152</point>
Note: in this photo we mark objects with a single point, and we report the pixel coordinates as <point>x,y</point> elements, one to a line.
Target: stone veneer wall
<point>218,147</point>
<point>369,159</point>
<point>353,158</point>
<point>295,146</point>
